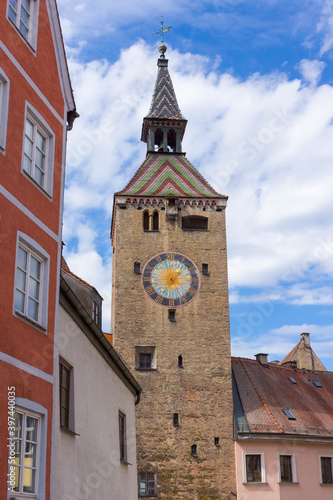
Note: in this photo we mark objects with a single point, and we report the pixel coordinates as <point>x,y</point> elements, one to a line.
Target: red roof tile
<point>264,393</point>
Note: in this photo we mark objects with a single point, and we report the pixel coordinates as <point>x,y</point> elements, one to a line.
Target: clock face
<point>171,279</point>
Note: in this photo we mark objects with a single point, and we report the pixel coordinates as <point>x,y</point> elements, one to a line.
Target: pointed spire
<point>164,126</point>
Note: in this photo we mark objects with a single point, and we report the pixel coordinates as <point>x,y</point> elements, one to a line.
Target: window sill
<point>259,483</point>
<point>69,431</point>
<point>33,50</point>
<point>30,321</point>
<point>287,483</point>
<point>38,186</point>
<point>146,369</point>
<point>326,484</point>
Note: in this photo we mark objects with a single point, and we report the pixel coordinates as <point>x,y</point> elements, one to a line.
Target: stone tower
<point>170,314</point>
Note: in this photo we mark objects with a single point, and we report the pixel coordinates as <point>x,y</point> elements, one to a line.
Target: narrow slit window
<point>194,450</point>
<point>205,269</point>
<point>137,268</point>
<point>175,420</point>
<point>194,223</point>
<point>180,361</point>
<point>217,441</point>
<point>172,315</point>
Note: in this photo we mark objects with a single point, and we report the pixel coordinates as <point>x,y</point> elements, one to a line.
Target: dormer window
<point>96,313</point>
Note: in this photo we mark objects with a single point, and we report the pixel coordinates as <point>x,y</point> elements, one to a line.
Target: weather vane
<point>162,30</point>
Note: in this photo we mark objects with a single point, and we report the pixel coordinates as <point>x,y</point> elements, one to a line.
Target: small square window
<point>38,151</point>
<point>147,484</point>
<point>24,15</point>
<point>205,269</point>
<point>289,414</point>
<point>317,383</point>
<point>217,441</point>
<point>31,281</point>
<point>326,469</point>
<point>145,358</point>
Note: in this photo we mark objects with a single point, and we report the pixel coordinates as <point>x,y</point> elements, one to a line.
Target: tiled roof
<point>164,103</point>
<point>168,175</point>
<point>264,393</point>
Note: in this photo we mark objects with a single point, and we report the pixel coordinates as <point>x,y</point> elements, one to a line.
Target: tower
<point>170,314</point>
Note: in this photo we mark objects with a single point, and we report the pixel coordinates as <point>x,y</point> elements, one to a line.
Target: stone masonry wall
<point>200,391</point>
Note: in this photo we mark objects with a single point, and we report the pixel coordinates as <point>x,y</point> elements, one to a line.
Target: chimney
<point>306,339</point>
<point>262,358</point>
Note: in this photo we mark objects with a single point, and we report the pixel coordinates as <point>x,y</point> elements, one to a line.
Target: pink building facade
<point>283,431</point>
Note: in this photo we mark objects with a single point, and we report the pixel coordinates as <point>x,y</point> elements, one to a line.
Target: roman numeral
<point>146,278</point>
<point>158,300</point>
<point>192,291</point>
<point>184,300</point>
<point>170,256</point>
<point>150,290</point>
<point>171,303</point>
<point>191,268</point>
<point>158,258</point>
<point>195,280</point>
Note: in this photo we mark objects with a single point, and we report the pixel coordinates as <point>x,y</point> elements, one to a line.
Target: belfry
<point>170,312</point>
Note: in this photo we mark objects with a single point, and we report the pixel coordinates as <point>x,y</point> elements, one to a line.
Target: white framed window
<point>254,467</point>
<point>27,453</point>
<point>326,469</point>
<point>24,16</point>
<point>31,281</point>
<point>287,467</point>
<point>38,150</point>
<point>4,101</point>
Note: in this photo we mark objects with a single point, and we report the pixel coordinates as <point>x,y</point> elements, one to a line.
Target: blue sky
<point>255,81</point>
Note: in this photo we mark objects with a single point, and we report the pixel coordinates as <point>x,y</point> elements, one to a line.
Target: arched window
<point>146,220</point>
<point>158,139</point>
<point>155,221</point>
<point>172,140</point>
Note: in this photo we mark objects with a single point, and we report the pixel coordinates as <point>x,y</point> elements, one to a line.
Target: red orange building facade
<point>36,110</point>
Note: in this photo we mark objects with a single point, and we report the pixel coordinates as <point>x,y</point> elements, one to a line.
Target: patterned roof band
<point>165,175</point>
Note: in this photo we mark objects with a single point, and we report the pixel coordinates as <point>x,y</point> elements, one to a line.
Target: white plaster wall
<point>308,485</point>
<point>87,466</point>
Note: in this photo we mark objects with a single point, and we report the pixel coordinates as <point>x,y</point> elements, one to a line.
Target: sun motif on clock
<point>171,279</point>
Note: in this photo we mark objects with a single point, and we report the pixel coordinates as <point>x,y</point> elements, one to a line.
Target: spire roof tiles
<point>168,174</point>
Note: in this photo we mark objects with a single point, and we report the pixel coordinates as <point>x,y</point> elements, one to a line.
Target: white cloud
<point>311,70</point>
<point>325,26</point>
<point>265,141</point>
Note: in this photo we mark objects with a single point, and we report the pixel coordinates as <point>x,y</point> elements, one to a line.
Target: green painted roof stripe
<point>168,175</point>
<point>180,170</point>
